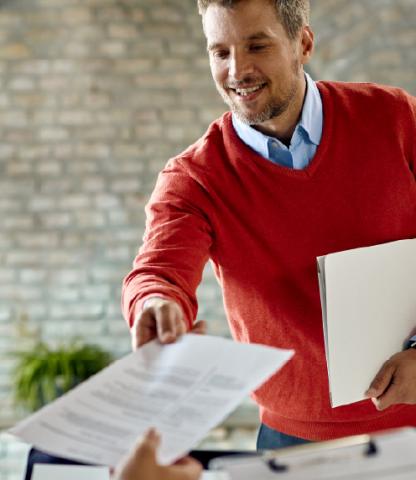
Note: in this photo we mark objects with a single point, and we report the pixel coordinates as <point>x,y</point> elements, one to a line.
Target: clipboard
<point>385,456</point>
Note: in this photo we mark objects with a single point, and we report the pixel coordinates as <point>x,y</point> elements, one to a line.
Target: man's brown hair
<point>293,14</point>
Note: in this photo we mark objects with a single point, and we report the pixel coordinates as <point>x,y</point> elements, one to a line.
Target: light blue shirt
<point>305,138</point>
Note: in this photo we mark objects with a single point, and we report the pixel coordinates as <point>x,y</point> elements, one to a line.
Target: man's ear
<point>307,44</point>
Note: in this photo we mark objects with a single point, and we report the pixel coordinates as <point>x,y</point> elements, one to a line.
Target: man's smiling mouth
<point>244,92</point>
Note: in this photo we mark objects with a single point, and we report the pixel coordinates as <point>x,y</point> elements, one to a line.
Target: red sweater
<point>263,226</point>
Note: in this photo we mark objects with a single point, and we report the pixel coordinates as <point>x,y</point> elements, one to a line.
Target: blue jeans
<point>269,439</point>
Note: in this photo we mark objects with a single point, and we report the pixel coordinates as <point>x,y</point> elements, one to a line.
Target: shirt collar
<point>311,119</point>
<point>310,122</point>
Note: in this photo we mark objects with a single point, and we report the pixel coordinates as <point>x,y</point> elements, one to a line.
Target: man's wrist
<point>411,343</point>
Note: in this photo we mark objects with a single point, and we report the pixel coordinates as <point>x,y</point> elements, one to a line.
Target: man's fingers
<point>162,319</point>
<point>169,322</point>
<point>390,397</point>
<point>144,329</point>
<point>147,446</point>
<point>200,327</point>
<point>141,458</point>
<point>381,381</point>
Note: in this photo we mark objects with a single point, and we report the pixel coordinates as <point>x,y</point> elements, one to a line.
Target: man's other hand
<point>395,382</point>
<point>141,464</point>
<point>163,319</point>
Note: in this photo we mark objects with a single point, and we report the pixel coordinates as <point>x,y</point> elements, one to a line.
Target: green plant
<point>44,373</point>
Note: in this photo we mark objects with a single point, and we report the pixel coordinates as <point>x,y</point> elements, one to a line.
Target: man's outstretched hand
<point>141,464</point>
<point>163,319</point>
<point>395,382</point>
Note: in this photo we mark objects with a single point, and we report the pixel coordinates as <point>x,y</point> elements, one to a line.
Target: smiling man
<point>296,170</point>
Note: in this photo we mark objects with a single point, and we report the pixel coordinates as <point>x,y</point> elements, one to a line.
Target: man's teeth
<point>246,91</point>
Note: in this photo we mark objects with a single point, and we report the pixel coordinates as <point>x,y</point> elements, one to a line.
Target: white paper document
<point>368,298</point>
<point>69,472</point>
<point>183,390</point>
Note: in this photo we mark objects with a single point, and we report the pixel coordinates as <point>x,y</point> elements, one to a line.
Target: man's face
<point>257,69</point>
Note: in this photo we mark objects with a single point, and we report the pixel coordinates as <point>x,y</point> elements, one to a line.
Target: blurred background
<point>95,96</point>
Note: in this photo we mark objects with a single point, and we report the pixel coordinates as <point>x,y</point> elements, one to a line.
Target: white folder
<point>368,298</point>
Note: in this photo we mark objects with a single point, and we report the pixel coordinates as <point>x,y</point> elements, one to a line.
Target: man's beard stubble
<point>273,109</point>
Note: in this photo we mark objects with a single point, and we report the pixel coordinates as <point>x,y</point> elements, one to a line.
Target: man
<point>298,169</point>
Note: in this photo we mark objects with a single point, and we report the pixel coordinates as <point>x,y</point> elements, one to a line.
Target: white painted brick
<point>41,203</point>
<point>18,292</point>
<point>67,257</point>
<point>32,67</point>
<point>17,222</point>
<point>77,50</point>
<point>6,151</point>
<point>123,31</point>
<point>117,254</point>
<point>44,117</point>
<point>93,184</point>
<point>80,117</point>
<point>106,201</point>
<point>53,134</point>
<point>134,65</point>
<point>58,185</point>
<point>63,151</point>
<point>56,220</point>
<point>5,312</point>
<point>14,119</point>
<point>113,48</point>
<point>135,167</point>
<point>7,275</point>
<point>5,241</point>
<point>21,84</point>
<point>91,219</point>
<point>14,51</point>
<point>77,310</point>
<point>66,276</point>
<point>72,240</point>
<point>46,168</point>
<point>64,294</point>
<point>96,292</point>
<point>95,101</point>
<point>19,168</point>
<point>33,152</point>
<point>107,274</point>
<point>76,15</point>
<point>125,185</point>
<point>127,150</point>
<point>10,205</point>
<point>4,100</point>
<point>93,150</point>
<point>52,83</point>
<point>30,275</point>
<point>74,202</point>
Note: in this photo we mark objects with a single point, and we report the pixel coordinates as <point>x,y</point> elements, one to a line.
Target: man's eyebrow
<point>249,38</point>
<point>258,36</point>
<point>213,46</point>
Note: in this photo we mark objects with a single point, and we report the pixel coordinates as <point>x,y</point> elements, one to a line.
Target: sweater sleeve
<point>176,245</point>
<point>411,103</point>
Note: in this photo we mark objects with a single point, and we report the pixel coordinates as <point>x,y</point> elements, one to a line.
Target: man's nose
<point>240,66</point>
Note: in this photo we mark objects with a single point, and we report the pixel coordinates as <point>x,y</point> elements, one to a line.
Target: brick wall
<point>95,96</point>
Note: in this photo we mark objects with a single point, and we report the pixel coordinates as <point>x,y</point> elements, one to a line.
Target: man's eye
<point>221,54</point>
<point>257,47</point>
